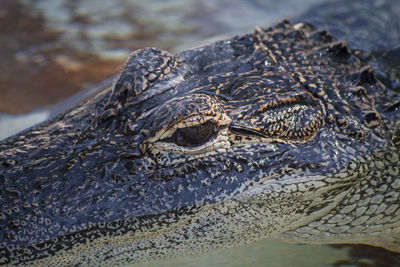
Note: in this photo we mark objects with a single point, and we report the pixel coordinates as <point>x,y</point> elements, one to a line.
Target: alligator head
<point>284,132</point>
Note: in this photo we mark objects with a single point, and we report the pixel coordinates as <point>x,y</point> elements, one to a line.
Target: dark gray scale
<point>296,127</point>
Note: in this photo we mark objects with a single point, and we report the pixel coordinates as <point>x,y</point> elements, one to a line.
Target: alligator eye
<point>194,135</point>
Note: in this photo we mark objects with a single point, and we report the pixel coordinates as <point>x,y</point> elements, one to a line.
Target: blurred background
<point>54,53</point>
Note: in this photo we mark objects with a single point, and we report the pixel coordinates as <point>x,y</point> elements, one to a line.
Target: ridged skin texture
<point>284,132</point>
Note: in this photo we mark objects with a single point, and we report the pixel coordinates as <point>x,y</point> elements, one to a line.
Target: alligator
<point>285,132</point>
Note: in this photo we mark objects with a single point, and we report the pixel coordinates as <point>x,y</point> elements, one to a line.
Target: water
<point>57,52</point>
<point>271,253</point>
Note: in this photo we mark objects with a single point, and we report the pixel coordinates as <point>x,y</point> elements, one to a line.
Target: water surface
<point>53,53</point>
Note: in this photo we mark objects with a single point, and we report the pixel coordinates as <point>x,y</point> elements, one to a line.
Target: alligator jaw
<point>280,132</point>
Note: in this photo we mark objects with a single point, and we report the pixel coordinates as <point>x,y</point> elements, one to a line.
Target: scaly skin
<point>284,132</point>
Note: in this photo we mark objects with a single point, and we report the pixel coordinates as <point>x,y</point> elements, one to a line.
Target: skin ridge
<point>301,144</point>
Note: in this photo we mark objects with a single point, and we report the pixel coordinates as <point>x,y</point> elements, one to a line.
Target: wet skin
<point>284,132</point>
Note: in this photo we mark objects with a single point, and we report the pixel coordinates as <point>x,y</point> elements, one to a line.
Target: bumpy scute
<point>283,132</point>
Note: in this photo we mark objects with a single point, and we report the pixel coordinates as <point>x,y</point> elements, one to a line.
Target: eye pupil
<point>194,135</point>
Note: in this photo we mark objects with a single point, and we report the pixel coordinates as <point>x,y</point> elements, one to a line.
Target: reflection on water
<point>51,49</point>
<point>271,253</point>
<point>11,124</point>
<point>37,67</point>
<point>363,256</point>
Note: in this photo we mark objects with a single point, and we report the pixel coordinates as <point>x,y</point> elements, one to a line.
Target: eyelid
<point>188,122</point>
<point>219,142</point>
